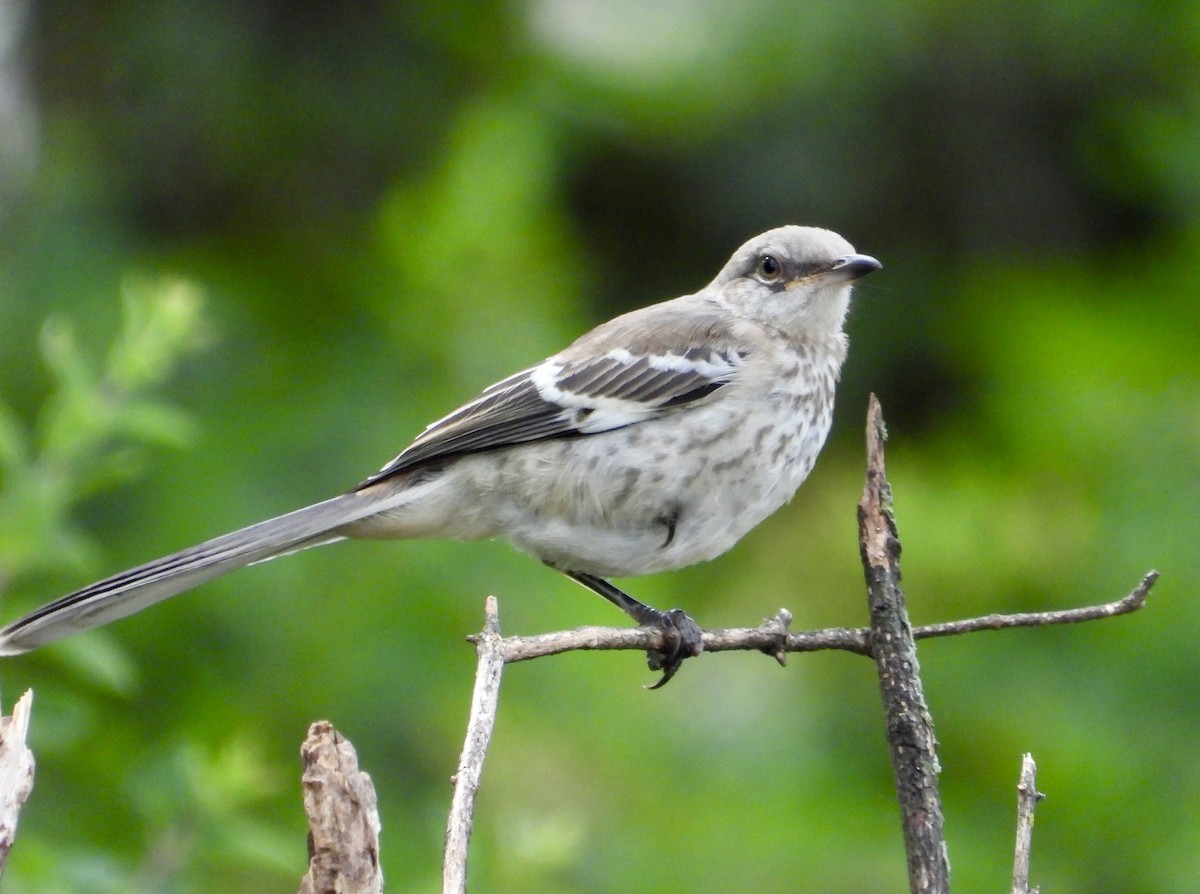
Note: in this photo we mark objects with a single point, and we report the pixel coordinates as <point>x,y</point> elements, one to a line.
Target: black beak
<point>853,267</point>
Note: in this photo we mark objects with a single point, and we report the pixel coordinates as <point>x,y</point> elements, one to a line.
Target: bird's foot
<point>683,636</point>
<point>684,639</point>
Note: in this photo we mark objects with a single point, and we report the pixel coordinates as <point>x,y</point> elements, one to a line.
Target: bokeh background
<point>248,249</point>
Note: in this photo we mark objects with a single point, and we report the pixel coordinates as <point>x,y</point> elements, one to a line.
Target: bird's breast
<point>668,492</point>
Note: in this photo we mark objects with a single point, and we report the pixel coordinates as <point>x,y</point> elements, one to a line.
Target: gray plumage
<point>654,441</point>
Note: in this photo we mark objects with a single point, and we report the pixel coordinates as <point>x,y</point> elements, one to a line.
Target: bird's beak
<point>851,267</point>
<point>846,269</point>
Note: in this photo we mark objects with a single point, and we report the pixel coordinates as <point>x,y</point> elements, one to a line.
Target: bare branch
<point>16,771</point>
<point>767,637</point>
<point>484,700</point>
<point>909,724</point>
<point>343,822</point>
<point>890,640</point>
<point>1123,606</point>
<point>524,648</point>
<point>1027,798</point>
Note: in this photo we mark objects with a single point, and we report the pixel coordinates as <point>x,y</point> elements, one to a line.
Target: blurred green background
<point>247,250</point>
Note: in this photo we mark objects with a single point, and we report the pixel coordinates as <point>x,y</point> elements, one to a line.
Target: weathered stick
<point>343,822</point>
<point>16,771</point>
<point>909,725</point>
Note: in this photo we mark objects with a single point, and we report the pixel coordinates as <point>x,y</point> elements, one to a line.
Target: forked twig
<point>890,640</point>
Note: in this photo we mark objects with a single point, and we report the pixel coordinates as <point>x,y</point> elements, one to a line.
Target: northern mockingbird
<point>655,441</point>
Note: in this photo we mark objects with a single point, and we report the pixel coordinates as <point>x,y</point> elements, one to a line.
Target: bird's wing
<point>631,369</point>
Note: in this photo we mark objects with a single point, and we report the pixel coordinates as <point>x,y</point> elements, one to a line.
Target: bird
<point>655,441</point>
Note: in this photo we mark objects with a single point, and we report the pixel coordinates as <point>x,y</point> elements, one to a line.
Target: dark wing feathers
<point>595,385</point>
<point>641,381</point>
<point>509,412</point>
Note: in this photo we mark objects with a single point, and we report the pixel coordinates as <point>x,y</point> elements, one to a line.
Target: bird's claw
<point>683,639</point>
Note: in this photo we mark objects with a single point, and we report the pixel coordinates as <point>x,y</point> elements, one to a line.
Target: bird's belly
<point>651,497</point>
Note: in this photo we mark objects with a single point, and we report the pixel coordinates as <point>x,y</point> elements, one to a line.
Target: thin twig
<point>909,725</point>
<point>771,637</point>
<point>16,771</point>
<point>767,637</point>
<point>343,821</point>
<point>484,701</point>
<point>1123,606</point>
<point>1027,798</point>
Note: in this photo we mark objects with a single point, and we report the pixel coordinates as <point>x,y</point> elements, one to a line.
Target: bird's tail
<point>135,589</point>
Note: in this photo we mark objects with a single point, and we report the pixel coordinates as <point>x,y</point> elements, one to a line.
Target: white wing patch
<point>568,398</point>
<point>620,388</point>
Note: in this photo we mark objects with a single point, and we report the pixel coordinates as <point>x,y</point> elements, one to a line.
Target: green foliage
<point>91,433</point>
<point>388,207</point>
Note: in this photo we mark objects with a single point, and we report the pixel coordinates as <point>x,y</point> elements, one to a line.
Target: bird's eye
<point>769,268</point>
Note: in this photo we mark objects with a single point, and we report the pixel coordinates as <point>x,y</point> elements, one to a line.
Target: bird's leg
<point>684,636</point>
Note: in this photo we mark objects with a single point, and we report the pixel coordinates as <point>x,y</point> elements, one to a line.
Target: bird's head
<point>797,279</point>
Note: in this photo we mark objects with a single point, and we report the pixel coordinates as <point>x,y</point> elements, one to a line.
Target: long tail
<point>135,589</point>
